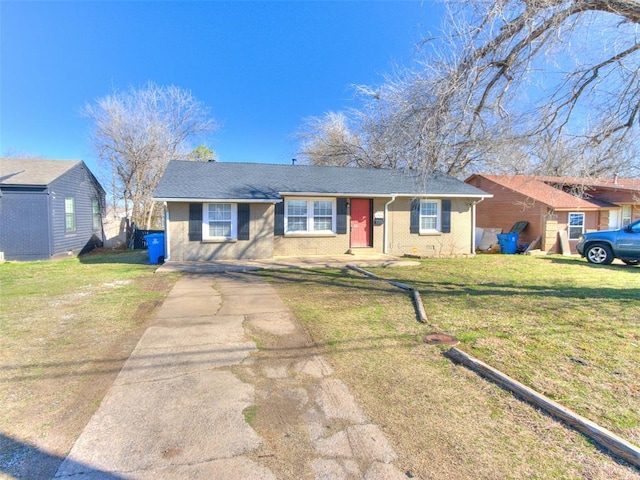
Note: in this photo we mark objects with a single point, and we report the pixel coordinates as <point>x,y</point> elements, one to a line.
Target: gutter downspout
<point>473,225</point>
<point>167,250</point>
<point>385,248</point>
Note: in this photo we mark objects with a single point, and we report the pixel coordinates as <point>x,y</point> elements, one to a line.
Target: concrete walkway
<point>309,261</point>
<point>178,409</point>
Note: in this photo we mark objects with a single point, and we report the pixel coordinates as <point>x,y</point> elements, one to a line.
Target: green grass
<point>559,325</point>
<point>66,328</point>
<point>250,414</point>
<point>565,328</point>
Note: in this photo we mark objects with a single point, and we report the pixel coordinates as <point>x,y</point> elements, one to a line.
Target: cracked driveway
<point>198,399</point>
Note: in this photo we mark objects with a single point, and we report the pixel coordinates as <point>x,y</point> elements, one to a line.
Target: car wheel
<point>599,254</point>
<point>631,262</point>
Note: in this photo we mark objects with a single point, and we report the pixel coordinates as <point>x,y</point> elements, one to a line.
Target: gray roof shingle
<point>265,182</point>
<point>33,171</point>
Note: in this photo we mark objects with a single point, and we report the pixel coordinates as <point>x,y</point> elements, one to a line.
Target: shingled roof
<point>184,180</point>
<point>616,183</point>
<point>539,191</point>
<point>33,171</point>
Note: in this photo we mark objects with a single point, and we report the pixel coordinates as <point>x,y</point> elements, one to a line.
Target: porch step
<point>362,251</point>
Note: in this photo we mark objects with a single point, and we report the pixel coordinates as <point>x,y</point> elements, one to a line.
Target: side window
<point>70,214</point>
<point>97,217</point>
<point>626,215</point>
<point>576,225</point>
<point>429,216</point>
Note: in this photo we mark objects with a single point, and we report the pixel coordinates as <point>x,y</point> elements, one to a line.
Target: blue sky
<point>261,67</point>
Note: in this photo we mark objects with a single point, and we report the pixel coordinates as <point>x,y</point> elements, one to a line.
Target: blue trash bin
<point>155,241</point>
<point>508,243</point>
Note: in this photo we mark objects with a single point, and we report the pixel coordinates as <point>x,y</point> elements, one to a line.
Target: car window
<point>634,227</point>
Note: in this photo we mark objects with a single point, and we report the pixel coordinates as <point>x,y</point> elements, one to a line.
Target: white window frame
<point>571,227</point>
<point>310,203</point>
<point>233,220</point>
<point>437,216</point>
<point>96,214</point>
<point>626,215</point>
<point>70,224</point>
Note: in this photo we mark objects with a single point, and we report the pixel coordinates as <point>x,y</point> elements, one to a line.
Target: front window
<point>323,215</point>
<point>429,216</point>
<point>70,214</point>
<point>576,225</point>
<point>219,221</point>
<point>297,216</point>
<point>310,216</point>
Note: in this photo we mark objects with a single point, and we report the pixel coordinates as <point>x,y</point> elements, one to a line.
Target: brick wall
<point>259,245</point>
<point>311,245</point>
<point>508,207</point>
<point>263,243</point>
<point>456,243</point>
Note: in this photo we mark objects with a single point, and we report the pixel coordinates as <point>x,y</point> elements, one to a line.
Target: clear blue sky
<point>261,67</point>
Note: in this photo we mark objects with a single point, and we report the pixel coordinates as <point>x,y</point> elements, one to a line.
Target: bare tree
<point>136,132</point>
<point>563,73</point>
<point>328,140</point>
<point>537,86</point>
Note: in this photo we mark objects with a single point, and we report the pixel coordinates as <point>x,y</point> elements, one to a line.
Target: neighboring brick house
<point>621,194</point>
<point>554,204</point>
<point>48,209</point>
<point>224,211</point>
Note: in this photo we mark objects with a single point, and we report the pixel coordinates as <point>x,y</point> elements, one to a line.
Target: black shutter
<point>341,219</point>
<point>195,222</point>
<point>446,216</point>
<point>415,216</point>
<point>278,221</point>
<point>244,218</point>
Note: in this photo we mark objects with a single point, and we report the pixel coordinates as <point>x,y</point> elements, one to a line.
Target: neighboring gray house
<point>227,211</point>
<point>48,209</point>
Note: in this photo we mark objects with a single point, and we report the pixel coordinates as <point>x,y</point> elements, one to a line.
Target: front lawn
<point>66,329</point>
<point>565,328</point>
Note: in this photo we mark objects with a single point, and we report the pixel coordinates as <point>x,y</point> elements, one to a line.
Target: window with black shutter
<point>278,221</point>
<point>446,216</point>
<point>244,220</point>
<point>195,222</point>
<point>341,219</point>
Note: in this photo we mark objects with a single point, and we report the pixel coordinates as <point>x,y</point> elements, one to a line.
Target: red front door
<point>360,222</point>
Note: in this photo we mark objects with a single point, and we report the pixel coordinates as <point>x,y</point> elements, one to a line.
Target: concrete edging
<point>417,300</point>
<point>609,440</point>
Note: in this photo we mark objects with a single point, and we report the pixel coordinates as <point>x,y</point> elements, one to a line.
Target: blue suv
<point>602,247</point>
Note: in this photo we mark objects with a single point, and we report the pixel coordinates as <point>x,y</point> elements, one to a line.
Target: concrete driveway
<point>198,399</point>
